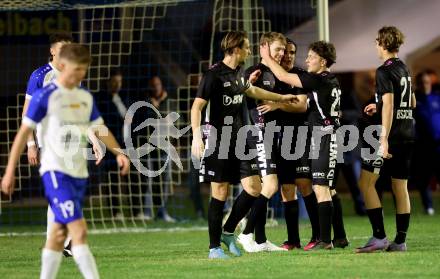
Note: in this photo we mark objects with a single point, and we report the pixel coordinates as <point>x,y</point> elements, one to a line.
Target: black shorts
<point>289,170</point>
<point>266,153</point>
<point>230,169</point>
<point>397,167</point>
<point>323,167</point>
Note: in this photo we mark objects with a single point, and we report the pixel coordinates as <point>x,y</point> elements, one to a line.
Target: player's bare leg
<point>291,214</point>
<point>403,210</point>
<point>219,194</point>
<point>80,250</point>
<point>367,184</point>
<point>67,252</point>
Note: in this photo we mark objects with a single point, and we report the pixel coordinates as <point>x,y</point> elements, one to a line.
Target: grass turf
<point>183,254</point>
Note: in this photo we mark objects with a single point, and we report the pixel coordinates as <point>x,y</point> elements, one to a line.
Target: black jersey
<point>285,118</point>
<point>393,77</point>
<point>324,106</point>
<point>266,81</point>
<point>223,87</point>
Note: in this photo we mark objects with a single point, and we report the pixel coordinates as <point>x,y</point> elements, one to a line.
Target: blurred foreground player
<point>67,114</point>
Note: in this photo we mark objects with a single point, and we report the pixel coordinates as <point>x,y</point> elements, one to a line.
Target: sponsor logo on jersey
<point>227,84</point>
<point>266,82</point>
<point>74,106</point>
<point>237,99</point>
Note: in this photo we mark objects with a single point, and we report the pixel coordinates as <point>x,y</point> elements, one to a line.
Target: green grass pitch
<point>183,254</point>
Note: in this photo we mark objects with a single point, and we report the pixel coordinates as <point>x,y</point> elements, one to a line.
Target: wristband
<point>31,143</point>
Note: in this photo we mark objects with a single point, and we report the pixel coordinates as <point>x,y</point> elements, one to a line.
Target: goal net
<point>173,40</point>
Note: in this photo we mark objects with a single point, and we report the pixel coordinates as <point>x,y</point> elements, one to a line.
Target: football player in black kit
<point>294,174</point>
<point>323,119</point>
<point>395,103</point>
<point>223,88</point>
<point>266,156</point>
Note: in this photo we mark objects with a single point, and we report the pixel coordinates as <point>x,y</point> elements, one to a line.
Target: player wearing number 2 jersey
<point>324,120</point>
<point>395,103</point>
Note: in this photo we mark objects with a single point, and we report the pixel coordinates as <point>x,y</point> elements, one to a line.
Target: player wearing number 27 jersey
<point>324,120</point>
<point>395,104</point>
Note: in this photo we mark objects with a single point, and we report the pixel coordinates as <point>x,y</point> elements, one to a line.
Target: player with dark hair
<point>395,103</point>
<point>222,90</point>
<point>38,79</point>
<point>323,121</point>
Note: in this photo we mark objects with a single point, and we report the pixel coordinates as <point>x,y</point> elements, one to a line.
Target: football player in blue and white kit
<point>67,114</point>
<point>38,79</point>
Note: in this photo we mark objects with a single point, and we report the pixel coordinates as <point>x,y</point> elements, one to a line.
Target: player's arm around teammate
<point>324,116</point>
<point>223,87</point>
<point>295,174</point>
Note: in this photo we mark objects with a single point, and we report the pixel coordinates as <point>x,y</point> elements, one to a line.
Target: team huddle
<point>285,108</point>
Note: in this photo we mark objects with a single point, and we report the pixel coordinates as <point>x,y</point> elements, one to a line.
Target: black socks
<point>402,224</point>
<point>215,216</point>
<point>338,222</point>
<point>240,208</point>
<point>311,204</point>
<point>291,216</point>
<point>257,219</point>
<point>376,219</point>
<point>325,211</point>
